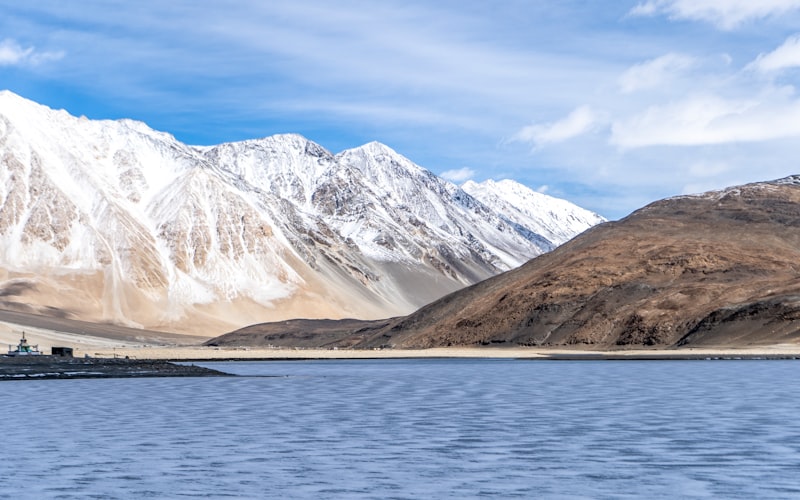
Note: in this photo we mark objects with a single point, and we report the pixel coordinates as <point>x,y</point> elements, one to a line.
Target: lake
<point>424,428</point>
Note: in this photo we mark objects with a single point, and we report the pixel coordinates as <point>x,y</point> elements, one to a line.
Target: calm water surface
<point>412,429</point>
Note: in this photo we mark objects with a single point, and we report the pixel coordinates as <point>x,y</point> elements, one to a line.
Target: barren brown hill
<point>717,269</point>
<point>318,333</point>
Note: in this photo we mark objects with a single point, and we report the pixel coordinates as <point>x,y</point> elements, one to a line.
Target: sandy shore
<point>211,353</point>
<point>157,347</point>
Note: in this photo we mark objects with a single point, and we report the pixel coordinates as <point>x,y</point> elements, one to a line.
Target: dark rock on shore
<point>55,367</point>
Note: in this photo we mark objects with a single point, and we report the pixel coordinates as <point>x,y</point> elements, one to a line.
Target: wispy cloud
<point>785,56</point>
<point>580,121</point>
<point>345,62</point>
<point>725,14</point>
<point>655,72</point>
<point>708,119</point>
<point>14,54</point>
<point>458,175</point>
<point>608,102</point>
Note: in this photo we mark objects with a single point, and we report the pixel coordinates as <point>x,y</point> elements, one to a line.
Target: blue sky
<point>608,104</point>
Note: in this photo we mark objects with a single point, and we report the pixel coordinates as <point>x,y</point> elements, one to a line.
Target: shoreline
<point>210,354</point>
<point>104,342</point>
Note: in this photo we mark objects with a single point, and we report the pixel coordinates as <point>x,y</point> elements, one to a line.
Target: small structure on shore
<point>23,348</point>
<point>64,352</point>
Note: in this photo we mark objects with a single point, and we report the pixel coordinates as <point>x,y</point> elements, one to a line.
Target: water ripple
<point>412,429</point>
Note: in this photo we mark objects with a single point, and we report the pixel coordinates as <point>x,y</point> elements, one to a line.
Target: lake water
<point>412,429</point>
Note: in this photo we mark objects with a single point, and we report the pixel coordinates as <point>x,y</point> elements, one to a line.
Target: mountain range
<point>717,269</point>
<point>112,221</point>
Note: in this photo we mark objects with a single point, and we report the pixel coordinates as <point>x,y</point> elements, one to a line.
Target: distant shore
<point>102,341</point>
<point>202,353</point>
<point>221,354</point>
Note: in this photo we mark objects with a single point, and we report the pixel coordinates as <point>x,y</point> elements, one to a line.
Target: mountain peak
<point>290,138</point>
<point>9,95</point>
<point>376,146</point>
<point>373,148</point>
<point>14,104</point>
<point>282,142</point>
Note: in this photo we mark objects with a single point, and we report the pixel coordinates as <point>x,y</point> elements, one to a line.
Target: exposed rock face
<point>717,269</point>
<point>113,221</point>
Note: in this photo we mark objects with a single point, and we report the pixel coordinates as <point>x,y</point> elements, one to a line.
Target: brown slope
<point>322,333</point>
<point>719,269</point>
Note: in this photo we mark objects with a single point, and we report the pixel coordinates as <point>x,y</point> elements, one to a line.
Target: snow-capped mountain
<point>113,221</point>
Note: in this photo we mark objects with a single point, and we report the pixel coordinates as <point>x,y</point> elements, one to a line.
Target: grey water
<point>438,428</point>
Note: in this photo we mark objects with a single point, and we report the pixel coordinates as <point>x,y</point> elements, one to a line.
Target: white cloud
<point>785,56</point>
<point>13,54</point>
<point>543,189</point>
<point>43,57</point>
<point>458,175</point>
<point>725,14</point>
<point>705,120</point>
<point>579,121</point>
<point>655,72</point>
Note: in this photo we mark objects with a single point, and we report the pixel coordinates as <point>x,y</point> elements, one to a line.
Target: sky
<point>611,105</point>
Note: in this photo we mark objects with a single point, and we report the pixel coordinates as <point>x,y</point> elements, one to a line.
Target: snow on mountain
<point>113,221</point>
<point>555,219</point>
